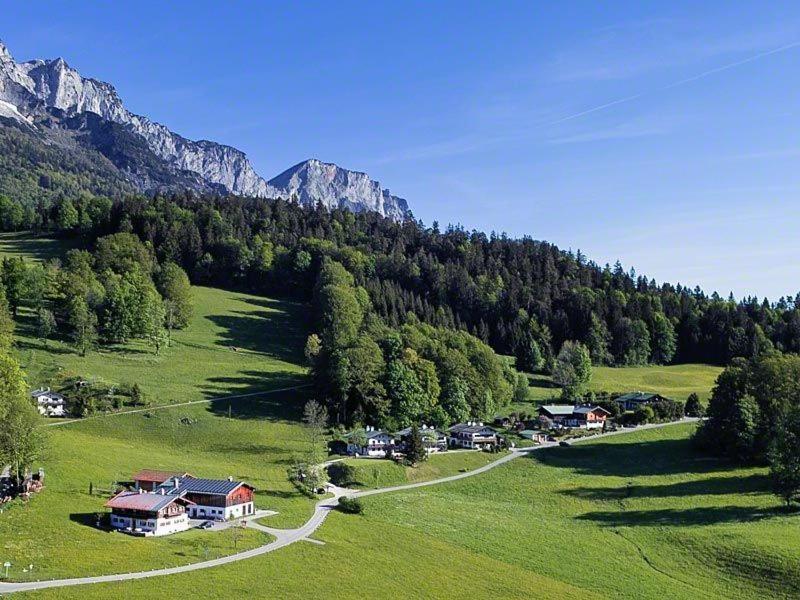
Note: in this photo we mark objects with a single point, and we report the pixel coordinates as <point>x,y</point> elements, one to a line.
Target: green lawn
<point>31,247</point>
<point>259,441</point>
<point>375,473</point>
<point>673,381</point>
<point>268,336</point>
<point>633,516</point>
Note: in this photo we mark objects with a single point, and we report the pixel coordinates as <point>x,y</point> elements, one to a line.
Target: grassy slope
<point>200,364</point>
<point>373,473</point>
<point>633,516</point>
<point>257,443</point>
<point>673,381</point>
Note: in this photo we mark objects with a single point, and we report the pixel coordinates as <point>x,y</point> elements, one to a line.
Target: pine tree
<point>415,451</point>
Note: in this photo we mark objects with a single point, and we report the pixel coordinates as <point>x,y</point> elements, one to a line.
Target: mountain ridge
<point>45,93</point>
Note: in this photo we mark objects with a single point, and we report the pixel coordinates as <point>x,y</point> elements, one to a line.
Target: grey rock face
<point>28,87</point>
<point>315,181</point>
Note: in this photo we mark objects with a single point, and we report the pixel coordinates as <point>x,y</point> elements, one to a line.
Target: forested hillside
<point>35,171</point>
<point>521,296</point>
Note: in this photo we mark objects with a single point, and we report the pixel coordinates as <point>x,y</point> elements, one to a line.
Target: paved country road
<point>284,537</point>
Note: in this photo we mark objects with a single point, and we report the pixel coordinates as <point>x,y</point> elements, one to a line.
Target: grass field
<point>673,381</point>
<point>258,443</point>
<point>26,245</point>
<point>268,335</point>
<point>372,473</point>
<point>633,516</point>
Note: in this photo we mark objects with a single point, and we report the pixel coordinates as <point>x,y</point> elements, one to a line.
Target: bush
<point>642,415</point>
<point>693,407</point>
<point>350,506</point>
<point>341,474</point>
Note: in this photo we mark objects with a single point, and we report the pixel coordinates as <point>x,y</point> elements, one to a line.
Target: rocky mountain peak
<point>30,88</point>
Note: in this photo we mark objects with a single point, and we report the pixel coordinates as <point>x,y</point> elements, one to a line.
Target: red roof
<point>144,501</point>
<point>157,476</point>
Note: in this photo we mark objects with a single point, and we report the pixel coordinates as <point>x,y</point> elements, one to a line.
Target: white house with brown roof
<point>148,514</point>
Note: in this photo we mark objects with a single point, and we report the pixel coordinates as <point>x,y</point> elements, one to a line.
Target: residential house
<point>590,417</point>
<point>376,443</point>
<point>557,413</point>
<point>634,400</point>
<point>49,403</point>
<point>433,439</point>
<point>472,435</point>
<point>583,417</point>
<point>149,479</point>
<point>535,435</point>
<point>164,501</point>
<point>148,514</point>
<point>218,499</point>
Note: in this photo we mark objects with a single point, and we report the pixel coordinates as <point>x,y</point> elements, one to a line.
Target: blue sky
<point>661,134</point>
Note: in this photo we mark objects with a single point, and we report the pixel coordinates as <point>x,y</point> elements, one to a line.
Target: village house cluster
<point>163,502</point>
<point>378,443</point>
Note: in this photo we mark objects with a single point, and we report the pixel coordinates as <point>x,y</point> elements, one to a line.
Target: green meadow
<point>634,516</point>
<point>235,344</point>
<point>371,473</point>
<point>672,381</point>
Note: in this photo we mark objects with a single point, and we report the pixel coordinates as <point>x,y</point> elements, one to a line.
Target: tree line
<point>21,439</point>
<point>115,293</point>
<point>522,297</point>
<point>753,417</point>
<point>370,372</point>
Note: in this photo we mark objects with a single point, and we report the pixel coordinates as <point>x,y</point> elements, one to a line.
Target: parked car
<point>206,525</point>
<point>563,443</point>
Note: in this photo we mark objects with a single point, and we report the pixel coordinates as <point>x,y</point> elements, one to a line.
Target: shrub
<point>350,506</point>
<point>642,415</point>
<point>341,474</point>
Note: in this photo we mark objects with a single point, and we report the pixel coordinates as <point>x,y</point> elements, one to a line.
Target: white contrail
<point>675,84</point>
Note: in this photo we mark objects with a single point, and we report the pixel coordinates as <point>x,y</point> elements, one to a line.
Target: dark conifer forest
<point>521,296</point>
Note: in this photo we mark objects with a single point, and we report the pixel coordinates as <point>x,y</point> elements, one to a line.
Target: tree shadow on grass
<point>542,382</point>
<point>657,457</point>
<point>682,517</point>
<point>262,404</point>
<point>710,486</point>
<point>87,520</point>
<point>279,332</point>
<point>39,346</point>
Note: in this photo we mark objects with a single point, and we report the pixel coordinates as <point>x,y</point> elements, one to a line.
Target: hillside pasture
<point>634,516</point>
<point>672,381</point>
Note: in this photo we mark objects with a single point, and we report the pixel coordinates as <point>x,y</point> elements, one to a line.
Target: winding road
<point>285,537</point>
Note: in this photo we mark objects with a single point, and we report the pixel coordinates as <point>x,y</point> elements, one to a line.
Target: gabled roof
<point>582,410</point>
<point>192,485</point>
<point>470,428</point>
<point>639,397</point>
<point>428,431</point>
<point>155,476</point>
<point>150,502</point>
<point>371,435</point>
<point>562,410</point>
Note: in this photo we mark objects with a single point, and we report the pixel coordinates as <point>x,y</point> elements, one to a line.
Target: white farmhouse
<point>50,404</point>
<point>378,443</point>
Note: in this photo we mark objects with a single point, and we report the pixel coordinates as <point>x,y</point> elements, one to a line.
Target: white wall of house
<point>155,527</point>
<point>199,511</point>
